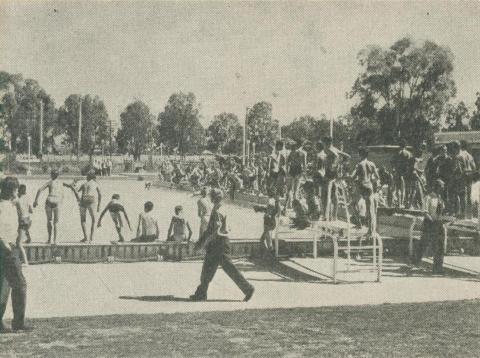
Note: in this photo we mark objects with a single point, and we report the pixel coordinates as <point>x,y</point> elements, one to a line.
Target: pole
<point>41,128</point>
<point>29,172</point>
<point>110,149</point>
<point>244,137</point>
<point>79,141</point>
<point>331,127</point>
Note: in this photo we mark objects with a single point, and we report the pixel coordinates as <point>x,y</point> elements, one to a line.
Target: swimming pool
<point>244,223</point>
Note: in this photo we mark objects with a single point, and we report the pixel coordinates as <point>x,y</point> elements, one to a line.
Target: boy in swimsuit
<point>178,226</point>
<point>203,209</point>
<point>88,202</point>
<point>24,210</point>
<point>147,228</point>
<point>366,176</point>
<point>115,208</point>
<point>52,204</point>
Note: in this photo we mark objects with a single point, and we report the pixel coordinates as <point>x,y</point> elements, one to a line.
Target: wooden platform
<point>127,252</point>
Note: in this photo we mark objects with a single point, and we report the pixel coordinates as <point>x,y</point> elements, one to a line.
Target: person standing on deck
<point>445,168</point>
<point>276,173</point>
<point>88,203</point>
<point>52,204</point>
<point>204,209</point>
<point>296,166</point>
<point>319,176</point>
<point>217,245</point>
<point>401,164</point>
<point>366,176</point>
<point>334,159</point>
<point>470,167</point>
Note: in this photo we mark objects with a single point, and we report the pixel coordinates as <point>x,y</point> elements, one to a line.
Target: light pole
<point>245,137</point>
<point>79,141</point>
<point>29,172</point>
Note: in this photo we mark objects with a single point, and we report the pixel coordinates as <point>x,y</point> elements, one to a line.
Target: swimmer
<point>178,227</point>
<point>115,208</point>
<point>88,202</point>
<point>52,204</point>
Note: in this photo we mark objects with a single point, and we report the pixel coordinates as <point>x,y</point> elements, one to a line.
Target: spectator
<point>12,278</point>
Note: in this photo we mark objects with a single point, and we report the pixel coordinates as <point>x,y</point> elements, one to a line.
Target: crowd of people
<point>102,167</point>
<point>309,183</point>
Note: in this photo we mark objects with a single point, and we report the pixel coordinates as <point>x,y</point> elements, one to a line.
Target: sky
<point>300,56</point>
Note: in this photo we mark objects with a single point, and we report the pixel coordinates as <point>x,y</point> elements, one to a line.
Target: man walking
<point>215,240</point>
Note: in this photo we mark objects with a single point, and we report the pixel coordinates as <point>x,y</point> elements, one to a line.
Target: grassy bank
<point>404,330</point>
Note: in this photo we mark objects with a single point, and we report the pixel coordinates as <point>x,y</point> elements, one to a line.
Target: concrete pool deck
<point>64,290</point>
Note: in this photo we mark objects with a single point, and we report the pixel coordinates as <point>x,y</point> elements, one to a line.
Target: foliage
<point>95,123</point>
<point>179,124</point>
<point>20,112</point>
<point>404,88</point>
<point>137,129</point>
<point>262,129</point>
<point>475,118</point>
<point>225,134</point>
<point>457,117</point>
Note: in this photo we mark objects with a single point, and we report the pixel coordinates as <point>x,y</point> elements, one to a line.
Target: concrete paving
<point>56,290</point>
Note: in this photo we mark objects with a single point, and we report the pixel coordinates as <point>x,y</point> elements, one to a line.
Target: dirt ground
<point>400,330</point>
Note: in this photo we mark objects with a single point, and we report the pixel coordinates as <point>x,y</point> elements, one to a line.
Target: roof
<point>447,137</point>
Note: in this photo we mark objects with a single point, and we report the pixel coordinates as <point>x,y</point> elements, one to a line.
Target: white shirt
<point>8,221</point>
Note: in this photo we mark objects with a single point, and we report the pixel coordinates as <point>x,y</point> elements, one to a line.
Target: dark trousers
<point>11,271</point>
<point>218,252</point>
<point>433,234</point>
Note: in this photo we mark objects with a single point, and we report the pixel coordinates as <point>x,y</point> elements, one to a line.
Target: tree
<point>475,119</point>
<point>262,129</point>
<point>95,124</point>
<point>20,111</point>
<point>225,133</point>
<point>179,124</point>
<point>314,129</point>
<point>457,117</point>
<point>136,131</point>
<point>404,88</point>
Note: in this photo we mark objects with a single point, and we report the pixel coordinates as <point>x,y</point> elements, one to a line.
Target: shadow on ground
<point>168,298</point>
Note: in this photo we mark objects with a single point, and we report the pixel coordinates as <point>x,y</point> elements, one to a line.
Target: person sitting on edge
<point>24,209</point>
<point>11,275</point>
<point>178,226</point>
<point>147,228</point>
<point>115,208</point>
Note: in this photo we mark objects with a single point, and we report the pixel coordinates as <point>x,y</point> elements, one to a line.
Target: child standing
<point>203,209</point>
<point>147,229</point>
<point>115,208</point>
<point>269,222</point>
<point>178,227</point>
<point>433,232</point>
<point>24,209</point>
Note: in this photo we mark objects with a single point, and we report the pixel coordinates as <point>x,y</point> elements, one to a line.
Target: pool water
<point>244,223</point>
